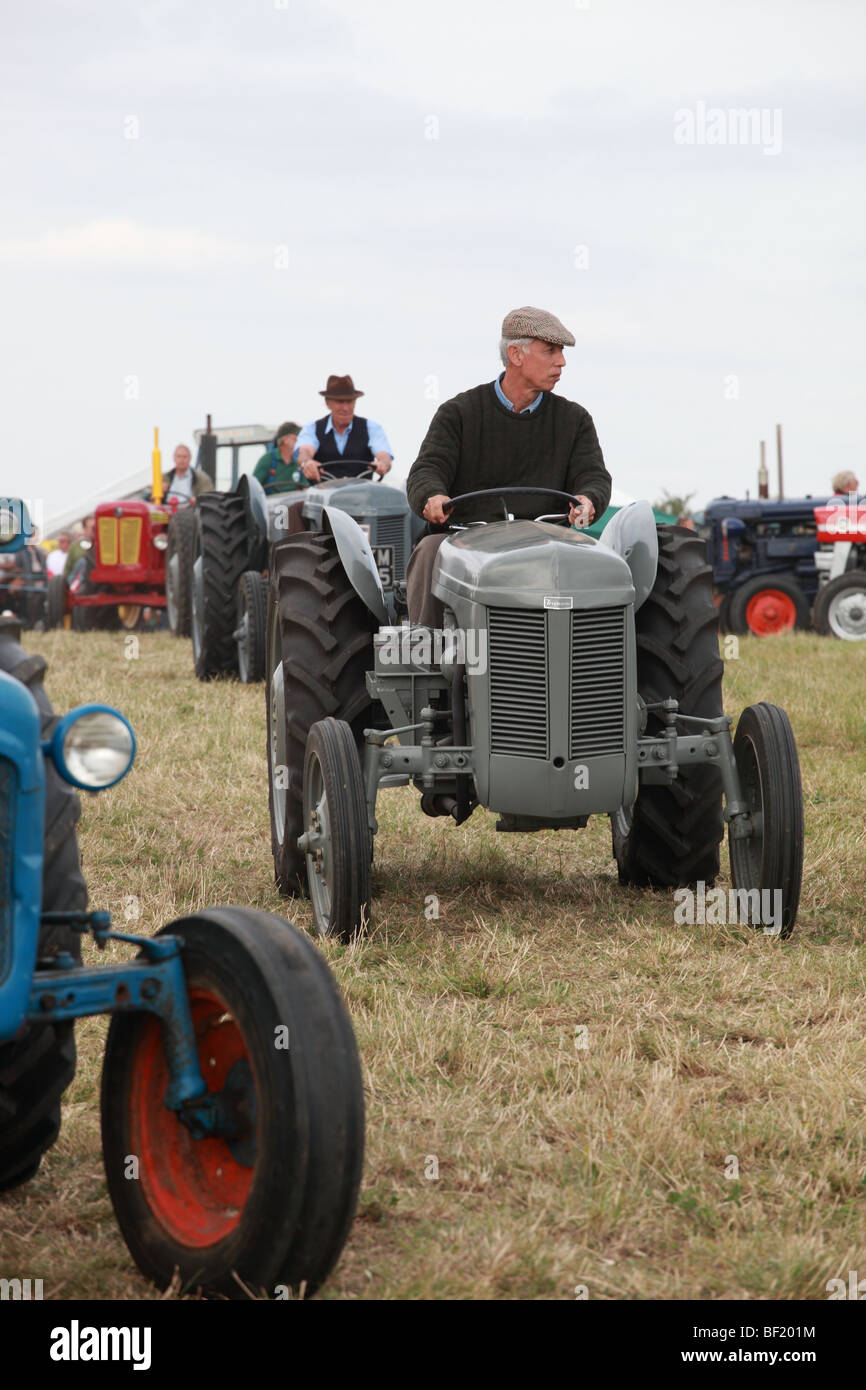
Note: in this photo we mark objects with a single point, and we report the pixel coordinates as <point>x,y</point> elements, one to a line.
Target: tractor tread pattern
<point>675,830</point>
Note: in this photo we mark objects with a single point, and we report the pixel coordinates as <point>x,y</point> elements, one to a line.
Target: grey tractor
<point>570,677</point>
<point>231,542</point>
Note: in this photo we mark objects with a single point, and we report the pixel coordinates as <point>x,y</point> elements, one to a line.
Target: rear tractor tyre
<point>670,836</point>
<point>271,1205</point>
<point>220,558</point>
<point>178,570</point>
<point>770,860</point>
<point>320,647</point>
<point>55,601</point>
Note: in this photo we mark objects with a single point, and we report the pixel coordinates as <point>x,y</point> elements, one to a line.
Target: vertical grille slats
<point>107,535</point>
<point>391,530</point>
<point>596,697</point>
<point>518,682</point>
<point>130,539</point>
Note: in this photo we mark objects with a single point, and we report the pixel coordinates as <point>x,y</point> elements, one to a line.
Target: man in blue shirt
<point>342,434</point>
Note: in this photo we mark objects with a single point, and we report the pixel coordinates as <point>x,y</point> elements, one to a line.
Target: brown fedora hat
<point>341,388</point>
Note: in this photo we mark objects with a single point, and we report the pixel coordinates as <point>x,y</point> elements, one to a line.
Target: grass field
<point>583,1071</point>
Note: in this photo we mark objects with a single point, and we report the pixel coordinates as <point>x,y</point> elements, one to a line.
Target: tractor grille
<point>518,682</point>
<point>8,795</point>
<point>130,539</point>
<point>107,536</point>
<point>391,530</point>
<point>129,528</point>
<point>596,697</point>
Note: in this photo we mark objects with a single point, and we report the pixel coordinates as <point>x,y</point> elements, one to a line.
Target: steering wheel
<point>346,468</point>
<point>509,504</point>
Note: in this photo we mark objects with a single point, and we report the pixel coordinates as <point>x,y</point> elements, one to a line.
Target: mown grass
<point>559,1164</point>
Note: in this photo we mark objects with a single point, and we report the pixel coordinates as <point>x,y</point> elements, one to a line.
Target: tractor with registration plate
<point>570,676</point>
<point>231,1102</point>
<point>840,607</point>
<point>231,546</point>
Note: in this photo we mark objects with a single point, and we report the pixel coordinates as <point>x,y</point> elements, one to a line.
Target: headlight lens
<point>161,541</point>
<point>93,747</point>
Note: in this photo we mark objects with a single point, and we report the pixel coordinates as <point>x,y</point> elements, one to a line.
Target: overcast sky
<point>212,205</point>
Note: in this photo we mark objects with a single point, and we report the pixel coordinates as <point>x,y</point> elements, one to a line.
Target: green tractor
<point>571,676</point>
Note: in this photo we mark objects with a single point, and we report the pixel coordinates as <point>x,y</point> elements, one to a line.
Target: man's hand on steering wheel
<point>434,509</point>
<point>310,470</point>
<point>382,463</point>
<point>582,513</point>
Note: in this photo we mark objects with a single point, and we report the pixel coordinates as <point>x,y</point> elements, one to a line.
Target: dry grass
<point>558,1165</point>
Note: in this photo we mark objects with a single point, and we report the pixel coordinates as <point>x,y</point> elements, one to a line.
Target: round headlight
<point>9,525</point>
<point>93,747</point>
<point>161,541</point>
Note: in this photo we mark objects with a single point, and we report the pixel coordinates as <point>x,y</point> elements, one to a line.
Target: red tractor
<point>840,607</point>
<point>121,576</point>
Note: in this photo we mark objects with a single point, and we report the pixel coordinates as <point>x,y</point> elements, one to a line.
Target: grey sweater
<point>473,443</point>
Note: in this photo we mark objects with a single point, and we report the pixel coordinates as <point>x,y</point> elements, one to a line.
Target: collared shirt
<point>376,437</point>
<point>181,486</point>
<point>503,399</point>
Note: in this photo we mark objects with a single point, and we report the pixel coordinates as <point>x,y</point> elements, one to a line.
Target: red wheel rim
<point>195,1188</point>
<point>771,611</point>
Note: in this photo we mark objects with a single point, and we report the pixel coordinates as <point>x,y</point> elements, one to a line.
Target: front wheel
<point>250,633</point>
<point>272,1204</point>
<point>336,840</point>
<point>770,860</point>
<point>840,608</point>
<point>767,605</point>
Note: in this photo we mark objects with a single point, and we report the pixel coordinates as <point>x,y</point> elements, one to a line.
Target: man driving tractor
<point>339,435</point>
<point>342,434</point>
<point>512,432</point>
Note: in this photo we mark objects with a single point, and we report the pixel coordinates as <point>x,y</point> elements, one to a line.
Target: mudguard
<point>256,504</point>
<point>631,532</point>
<point>357,560</point>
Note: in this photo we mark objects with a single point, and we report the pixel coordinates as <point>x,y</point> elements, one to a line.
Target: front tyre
<point>337,839</point>
<point>770,860</point>
<point>272,1205</point>
<point>840,608</point>
<point>250,632</point>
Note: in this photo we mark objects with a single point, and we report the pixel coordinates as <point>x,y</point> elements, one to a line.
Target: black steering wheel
<point>346,468</point>
<point>509,504</point>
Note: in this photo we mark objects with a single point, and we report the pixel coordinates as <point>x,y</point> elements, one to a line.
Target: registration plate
<point>384,557</point>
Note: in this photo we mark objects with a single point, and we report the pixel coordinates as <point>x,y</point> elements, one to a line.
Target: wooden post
<point>763,478</point>
<point>779,459</point>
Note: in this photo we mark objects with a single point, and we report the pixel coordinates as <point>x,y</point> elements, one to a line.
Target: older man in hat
<point>341,433</point>
<point>512,432</point>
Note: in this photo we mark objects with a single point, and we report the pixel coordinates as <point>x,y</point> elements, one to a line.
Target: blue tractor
<point>232,1103</point>
<point>763,559</point>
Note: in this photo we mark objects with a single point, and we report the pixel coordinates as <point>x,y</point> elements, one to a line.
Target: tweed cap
<point>289,427</point>
<point>536,323</point>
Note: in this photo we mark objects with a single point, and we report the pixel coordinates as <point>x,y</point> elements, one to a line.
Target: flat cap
<point>536,323</point>
<point>288,427</point>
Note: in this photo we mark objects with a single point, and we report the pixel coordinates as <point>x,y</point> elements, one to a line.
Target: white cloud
<point>119,243</point>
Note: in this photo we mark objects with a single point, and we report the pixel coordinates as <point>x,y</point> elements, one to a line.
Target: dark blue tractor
<point>232,1105</point>
<point>763,559</point>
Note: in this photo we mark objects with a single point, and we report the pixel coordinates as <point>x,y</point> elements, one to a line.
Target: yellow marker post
<point>157,468</point>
